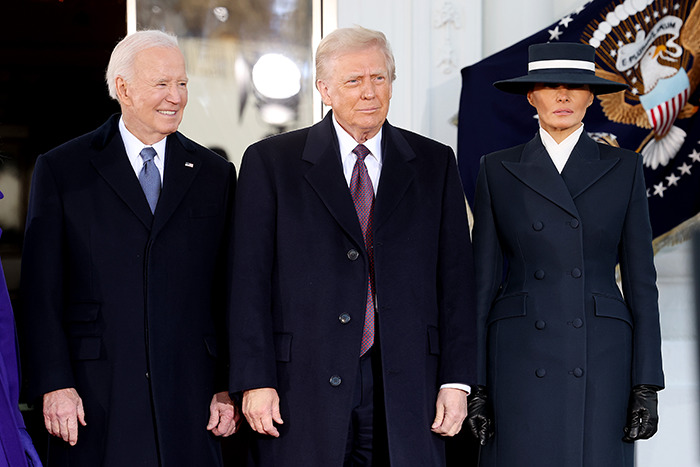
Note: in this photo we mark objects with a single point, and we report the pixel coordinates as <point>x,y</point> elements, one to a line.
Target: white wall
<point>677,443</point>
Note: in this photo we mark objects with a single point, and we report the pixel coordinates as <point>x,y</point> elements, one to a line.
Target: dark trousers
<point>367,444</point>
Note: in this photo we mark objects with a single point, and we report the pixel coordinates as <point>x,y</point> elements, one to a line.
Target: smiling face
<point>154,100</point>
<point>560,107</point>
<point>358,90</point>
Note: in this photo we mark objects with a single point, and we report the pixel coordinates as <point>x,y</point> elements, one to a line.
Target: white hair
<point>121,63</point>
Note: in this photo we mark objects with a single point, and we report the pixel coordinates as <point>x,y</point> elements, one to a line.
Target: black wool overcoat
<point>300,285</point>
<point>126,306</point>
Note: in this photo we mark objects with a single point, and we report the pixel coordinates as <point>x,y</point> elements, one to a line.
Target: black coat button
<point>335,381</point>
<point>353,254</point>
<point>540,372</point>
<point>344,318</point>
<point>576,273</point>
<point>578,372</point>
<point>539,274</point>
<point>574,223</point>
<point>540,324</point>
<point>577,323</point>
<point>537,226</point>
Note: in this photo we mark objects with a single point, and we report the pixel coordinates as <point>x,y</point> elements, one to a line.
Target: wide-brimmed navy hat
<point>560,63</point>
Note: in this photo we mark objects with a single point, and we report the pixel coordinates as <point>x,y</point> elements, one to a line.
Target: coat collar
<point>110,161</point>
<point>181,166</point>
<point>536,170</point>
<point>584,167</point>
<point>397,173</point>
<point>326,175</point>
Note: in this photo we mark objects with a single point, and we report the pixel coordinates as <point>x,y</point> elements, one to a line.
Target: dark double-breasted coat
<point>300,284</point>
<point>561,347</point>
<point>126,306</point>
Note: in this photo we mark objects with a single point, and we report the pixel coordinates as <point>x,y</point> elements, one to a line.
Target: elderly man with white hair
<point>123,278</point>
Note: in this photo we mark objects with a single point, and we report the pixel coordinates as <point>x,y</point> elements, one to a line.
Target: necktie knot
<point>361,151</point>
<point>147,154</point>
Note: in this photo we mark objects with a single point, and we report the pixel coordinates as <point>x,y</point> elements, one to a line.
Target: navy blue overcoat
<point>126,306</point>
<point>560,345</point>
<point>300,284</point>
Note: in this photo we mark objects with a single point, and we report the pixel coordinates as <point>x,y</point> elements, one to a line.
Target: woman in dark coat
<point>569,365</point>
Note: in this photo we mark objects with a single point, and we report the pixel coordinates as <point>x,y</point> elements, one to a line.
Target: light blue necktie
<point>150,177</point>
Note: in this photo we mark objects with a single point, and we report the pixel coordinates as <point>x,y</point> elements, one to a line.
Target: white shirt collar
<point>133,147</point>
<point>560,152</point>
<point>347,143</point>
<point>373,162</point>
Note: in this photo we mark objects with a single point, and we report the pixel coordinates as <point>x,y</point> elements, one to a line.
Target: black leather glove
<point>642,414</point>
<point>479,418</point>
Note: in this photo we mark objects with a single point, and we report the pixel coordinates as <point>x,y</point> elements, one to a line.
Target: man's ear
<point>323,89</point>
<point>122,89</point>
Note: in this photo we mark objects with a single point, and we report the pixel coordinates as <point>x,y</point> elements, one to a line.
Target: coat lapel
<point>111,162</point>
<point>396,176</point>
<point>585,167</point>
<point>325,176</point>
<point>536,170</point>
<point>181,167</point>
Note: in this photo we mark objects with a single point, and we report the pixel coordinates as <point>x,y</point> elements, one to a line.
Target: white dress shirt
<point>560,152</point>
<point>134,146</point>
<point>373,161</point>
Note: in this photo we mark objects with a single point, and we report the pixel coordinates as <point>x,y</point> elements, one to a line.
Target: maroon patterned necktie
<point>363,195</point>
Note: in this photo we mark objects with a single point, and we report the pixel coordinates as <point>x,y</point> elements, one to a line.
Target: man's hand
<point>223,415</point>
<point>451,410</point>
<point>63,409</point>
<point>261,408</point>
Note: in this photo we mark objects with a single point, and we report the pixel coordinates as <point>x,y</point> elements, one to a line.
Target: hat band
<point>559,64</point>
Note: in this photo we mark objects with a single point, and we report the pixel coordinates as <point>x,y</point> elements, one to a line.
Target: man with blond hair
<point>352,325</point>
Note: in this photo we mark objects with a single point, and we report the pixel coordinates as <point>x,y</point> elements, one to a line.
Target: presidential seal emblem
<point>647,45</point>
